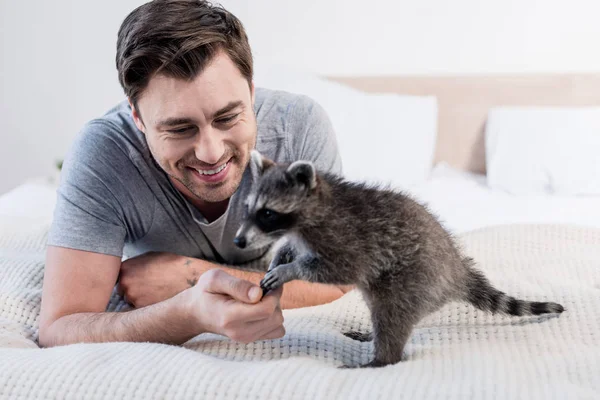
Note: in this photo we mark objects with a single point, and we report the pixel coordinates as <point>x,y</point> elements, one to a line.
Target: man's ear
<point>303,172</point>
<point>137,118</point>
<point>261,163</point>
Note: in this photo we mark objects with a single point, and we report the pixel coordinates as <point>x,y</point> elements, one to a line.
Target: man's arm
<point>169,274</point>
<point>78,284</point>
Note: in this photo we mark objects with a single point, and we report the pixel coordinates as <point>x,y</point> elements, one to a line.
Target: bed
<point>542,243</point>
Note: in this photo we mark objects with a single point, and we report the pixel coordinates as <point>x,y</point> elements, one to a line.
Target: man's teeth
<point>212,171</point>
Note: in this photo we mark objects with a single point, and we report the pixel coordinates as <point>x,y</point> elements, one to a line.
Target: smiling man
<point>161,179</point>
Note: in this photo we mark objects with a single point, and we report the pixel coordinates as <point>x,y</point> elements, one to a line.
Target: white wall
<point>358,37</point>
<point>57,71</point>
<point>57,57</point>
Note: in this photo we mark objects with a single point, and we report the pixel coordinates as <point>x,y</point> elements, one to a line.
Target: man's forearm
<point>152,278</point>
<point>163,322</point>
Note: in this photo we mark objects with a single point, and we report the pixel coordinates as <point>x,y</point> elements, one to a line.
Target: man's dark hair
<point>177,38</point>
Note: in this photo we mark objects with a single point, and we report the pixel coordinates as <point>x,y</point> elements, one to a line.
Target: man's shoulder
<point>283,114</point>
<point>295,127</point>
<point>268,97</point>
<point>274,104</point>
<point>113,130</point>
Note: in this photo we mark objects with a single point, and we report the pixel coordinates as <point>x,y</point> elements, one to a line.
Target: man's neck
<point>210,211</point>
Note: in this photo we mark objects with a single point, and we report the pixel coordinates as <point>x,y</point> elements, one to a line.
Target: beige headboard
<point>464,101</point>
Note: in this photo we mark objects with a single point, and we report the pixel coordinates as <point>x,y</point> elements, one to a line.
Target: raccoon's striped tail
<point>484,296</point>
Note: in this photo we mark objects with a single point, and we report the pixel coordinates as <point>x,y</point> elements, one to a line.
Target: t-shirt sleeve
<point>96,208</point>
<point>313,137</point>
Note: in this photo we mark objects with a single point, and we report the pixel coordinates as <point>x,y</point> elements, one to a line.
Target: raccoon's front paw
<point>277,277</point>
<point>282,258</point>
<point>272,266</point>
<point>270,281</point>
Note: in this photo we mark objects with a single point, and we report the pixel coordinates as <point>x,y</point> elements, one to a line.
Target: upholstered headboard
<point>464,101</point>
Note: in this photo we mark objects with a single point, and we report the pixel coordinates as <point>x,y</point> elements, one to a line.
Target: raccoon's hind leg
<point>393,317</point>
<point>390,335</point>
<point>359,336</point>
<point>479,292</point>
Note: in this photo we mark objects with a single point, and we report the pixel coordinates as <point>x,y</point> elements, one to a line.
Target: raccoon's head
<point>277,201</point>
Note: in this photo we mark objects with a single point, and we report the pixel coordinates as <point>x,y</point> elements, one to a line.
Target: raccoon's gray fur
<point>397,254</point>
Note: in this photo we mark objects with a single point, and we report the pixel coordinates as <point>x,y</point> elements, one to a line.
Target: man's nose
<point>240,241</point>
<point>210,147</point>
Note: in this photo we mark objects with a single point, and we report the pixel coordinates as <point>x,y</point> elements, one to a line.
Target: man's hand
<point>226,305</point>
<point>153,277</point>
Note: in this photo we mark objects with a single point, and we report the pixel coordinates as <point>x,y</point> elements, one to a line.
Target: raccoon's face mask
<point>274,205</point>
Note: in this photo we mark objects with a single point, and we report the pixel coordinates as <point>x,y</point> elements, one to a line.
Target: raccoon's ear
<point>260,162</point>
<point>303,172</point>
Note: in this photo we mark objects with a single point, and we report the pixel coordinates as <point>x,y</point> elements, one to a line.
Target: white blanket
<point>458,352</point>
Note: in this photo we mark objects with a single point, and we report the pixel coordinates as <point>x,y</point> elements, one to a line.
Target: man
<point>161,179</point>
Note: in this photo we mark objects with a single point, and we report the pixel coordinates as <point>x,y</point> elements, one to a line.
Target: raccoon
<point>326,229</point>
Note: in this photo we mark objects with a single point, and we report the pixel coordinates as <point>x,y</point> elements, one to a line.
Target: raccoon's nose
<point>240,242</point>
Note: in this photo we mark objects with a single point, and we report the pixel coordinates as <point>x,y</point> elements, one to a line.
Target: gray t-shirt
<point>113,199</point>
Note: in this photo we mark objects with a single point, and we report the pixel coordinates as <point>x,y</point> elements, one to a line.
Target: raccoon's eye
<point>270,221</point>
<point>267,216</point>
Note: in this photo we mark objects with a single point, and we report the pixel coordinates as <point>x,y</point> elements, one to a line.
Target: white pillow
<point>384,138</point>
<point>35,198</point>
<point>544,150</point>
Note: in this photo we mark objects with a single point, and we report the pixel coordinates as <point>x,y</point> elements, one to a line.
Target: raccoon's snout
<point>240,241</point>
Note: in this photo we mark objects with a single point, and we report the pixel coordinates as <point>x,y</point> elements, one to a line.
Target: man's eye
<point>181,131</point>
<point>226,120</point>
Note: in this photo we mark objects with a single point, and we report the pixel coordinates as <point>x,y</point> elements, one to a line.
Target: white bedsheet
<point>457,352</point>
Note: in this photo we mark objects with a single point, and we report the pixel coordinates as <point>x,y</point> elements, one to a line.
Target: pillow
<point>544,150</point>
<point>34,198</point>
<point>384,138</point>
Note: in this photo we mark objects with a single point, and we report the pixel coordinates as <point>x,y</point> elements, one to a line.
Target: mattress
<point>531,252</point>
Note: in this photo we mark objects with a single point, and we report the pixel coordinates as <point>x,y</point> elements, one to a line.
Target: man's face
<point>200,132</point>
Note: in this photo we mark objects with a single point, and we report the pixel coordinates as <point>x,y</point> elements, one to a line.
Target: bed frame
<point>464,101</point>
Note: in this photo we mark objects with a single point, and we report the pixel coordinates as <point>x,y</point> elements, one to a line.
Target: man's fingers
<point>255,314</point>
<point>274,334</point>
<point>220,282</point>
<point>346,288</point>
<point>272,293</point>
<point>265,328</point>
